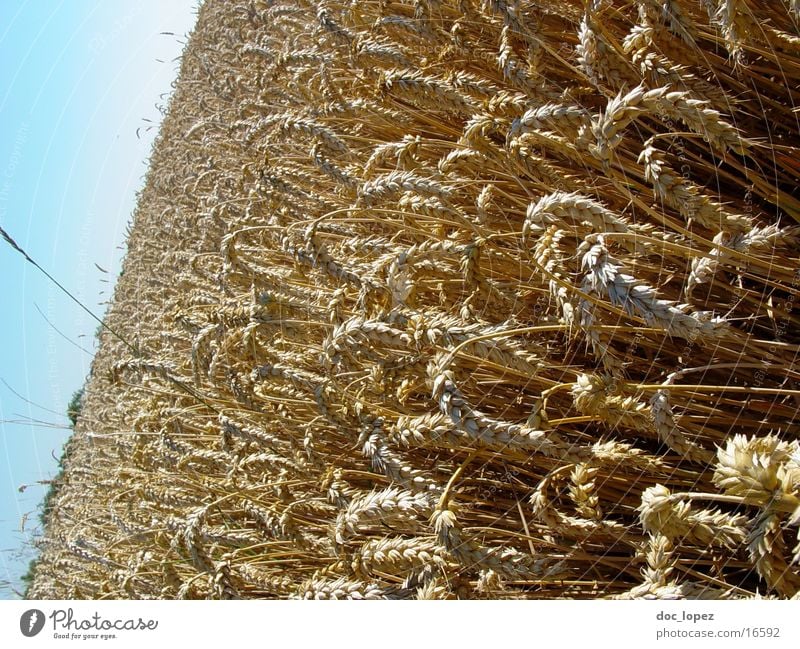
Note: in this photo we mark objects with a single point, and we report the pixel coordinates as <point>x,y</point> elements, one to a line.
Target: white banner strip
<point>405,624</point>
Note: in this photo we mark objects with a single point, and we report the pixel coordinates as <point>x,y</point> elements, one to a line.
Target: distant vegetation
<point>48,501</point>
<point>75,406</point>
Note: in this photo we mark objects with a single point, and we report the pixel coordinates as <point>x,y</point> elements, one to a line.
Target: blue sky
<point>77,79</point>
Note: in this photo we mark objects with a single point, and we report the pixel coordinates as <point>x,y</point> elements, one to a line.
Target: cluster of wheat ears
<point>454,299</point>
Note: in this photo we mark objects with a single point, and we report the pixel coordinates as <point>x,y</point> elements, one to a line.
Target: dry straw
<point>454,299</point>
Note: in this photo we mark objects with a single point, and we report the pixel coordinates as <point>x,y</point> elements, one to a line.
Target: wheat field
<point>454,299</point>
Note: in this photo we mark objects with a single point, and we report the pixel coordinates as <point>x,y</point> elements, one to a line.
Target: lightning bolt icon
<point>32,621</point>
